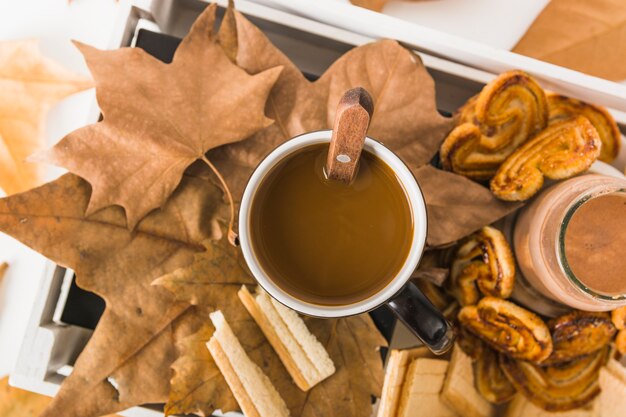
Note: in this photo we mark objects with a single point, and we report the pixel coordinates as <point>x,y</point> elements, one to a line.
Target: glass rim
<point>561,254</point>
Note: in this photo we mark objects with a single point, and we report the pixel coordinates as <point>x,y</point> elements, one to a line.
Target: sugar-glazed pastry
<point>557,388</point>
<point>490,381</point>
<point>562,107</point>
<point>579,333</point>
<point>508,328</point>
<point>562,150</point>
<point>505,114</point>
<point>483,262</point>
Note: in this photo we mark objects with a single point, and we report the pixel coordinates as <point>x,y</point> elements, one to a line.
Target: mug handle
<point>416,311</point>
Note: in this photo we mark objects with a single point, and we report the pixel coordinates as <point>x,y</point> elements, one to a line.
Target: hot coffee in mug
<point>325,242</point>
<point>328,248</point>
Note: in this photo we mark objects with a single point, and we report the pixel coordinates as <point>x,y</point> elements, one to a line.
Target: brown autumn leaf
<point>405,119</point>
<point>119,265</point>
<point>215,269</point>
<point>158,118</point>
<point>212,282</point>
<point>30,84</point>
<point>579,34</point>
<point>15,402</point>
<point>456,211</point>
<point>197,384</point>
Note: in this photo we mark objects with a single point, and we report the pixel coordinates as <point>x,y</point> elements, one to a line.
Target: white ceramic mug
<point>403,297</point>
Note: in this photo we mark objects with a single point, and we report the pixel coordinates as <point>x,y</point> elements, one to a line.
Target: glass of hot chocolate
<point>570,242</point>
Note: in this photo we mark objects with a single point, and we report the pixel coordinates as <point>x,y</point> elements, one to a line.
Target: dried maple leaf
<point>117,264</point>
<point>212,282</point>
<point>29,85</point>
<point>405,119</point>
<point>15,402</point>
<point>159,118</point>
<point>198,385</point>
<point>581,35</point>
<point>457,205</point>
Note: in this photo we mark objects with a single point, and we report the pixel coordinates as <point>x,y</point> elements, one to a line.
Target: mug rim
<point>416,201</point>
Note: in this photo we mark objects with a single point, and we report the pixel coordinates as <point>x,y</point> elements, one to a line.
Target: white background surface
<point>499,23</point>
<point>55,22</point>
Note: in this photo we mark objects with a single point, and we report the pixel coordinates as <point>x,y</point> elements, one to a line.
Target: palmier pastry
<point>469,343</point>
<point>557,388</point>
<point>508,328</point>
<point>490,381</point>
<point>579,333</point>
<point>505,114</point>
<point>562,150</point>
<point>618,317</point>
<point>483,262</point>
<point>562,107</point>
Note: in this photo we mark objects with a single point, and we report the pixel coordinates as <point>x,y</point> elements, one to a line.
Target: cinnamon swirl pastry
<point>577,334</point>
<point>562,107</point>
<point>504,115</point>
<point>470,344</point>
<point>483,262</point>
<point>490,380</point>
<point>557,388</point>
<point>560,151</point>
<point>508,328</point>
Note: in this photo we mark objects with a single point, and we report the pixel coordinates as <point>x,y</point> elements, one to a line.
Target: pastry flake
<point>564,149</point>
<point>508,328</point>
<point>579,333</point>
<point>557,388</point>
<point>561,107</point>
<point>504,115</point>
<point>490,381</point>
<point>483,262</point>
<point>469,343</point>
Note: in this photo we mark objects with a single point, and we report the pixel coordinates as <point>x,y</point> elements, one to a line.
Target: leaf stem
<point>232,236</point>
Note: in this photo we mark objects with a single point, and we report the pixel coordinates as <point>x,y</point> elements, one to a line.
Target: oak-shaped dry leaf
<point>405,119</point>
<point>119,266</point>
<point>212,282</point>
<point>158,118</point>
<point>30,84</point>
